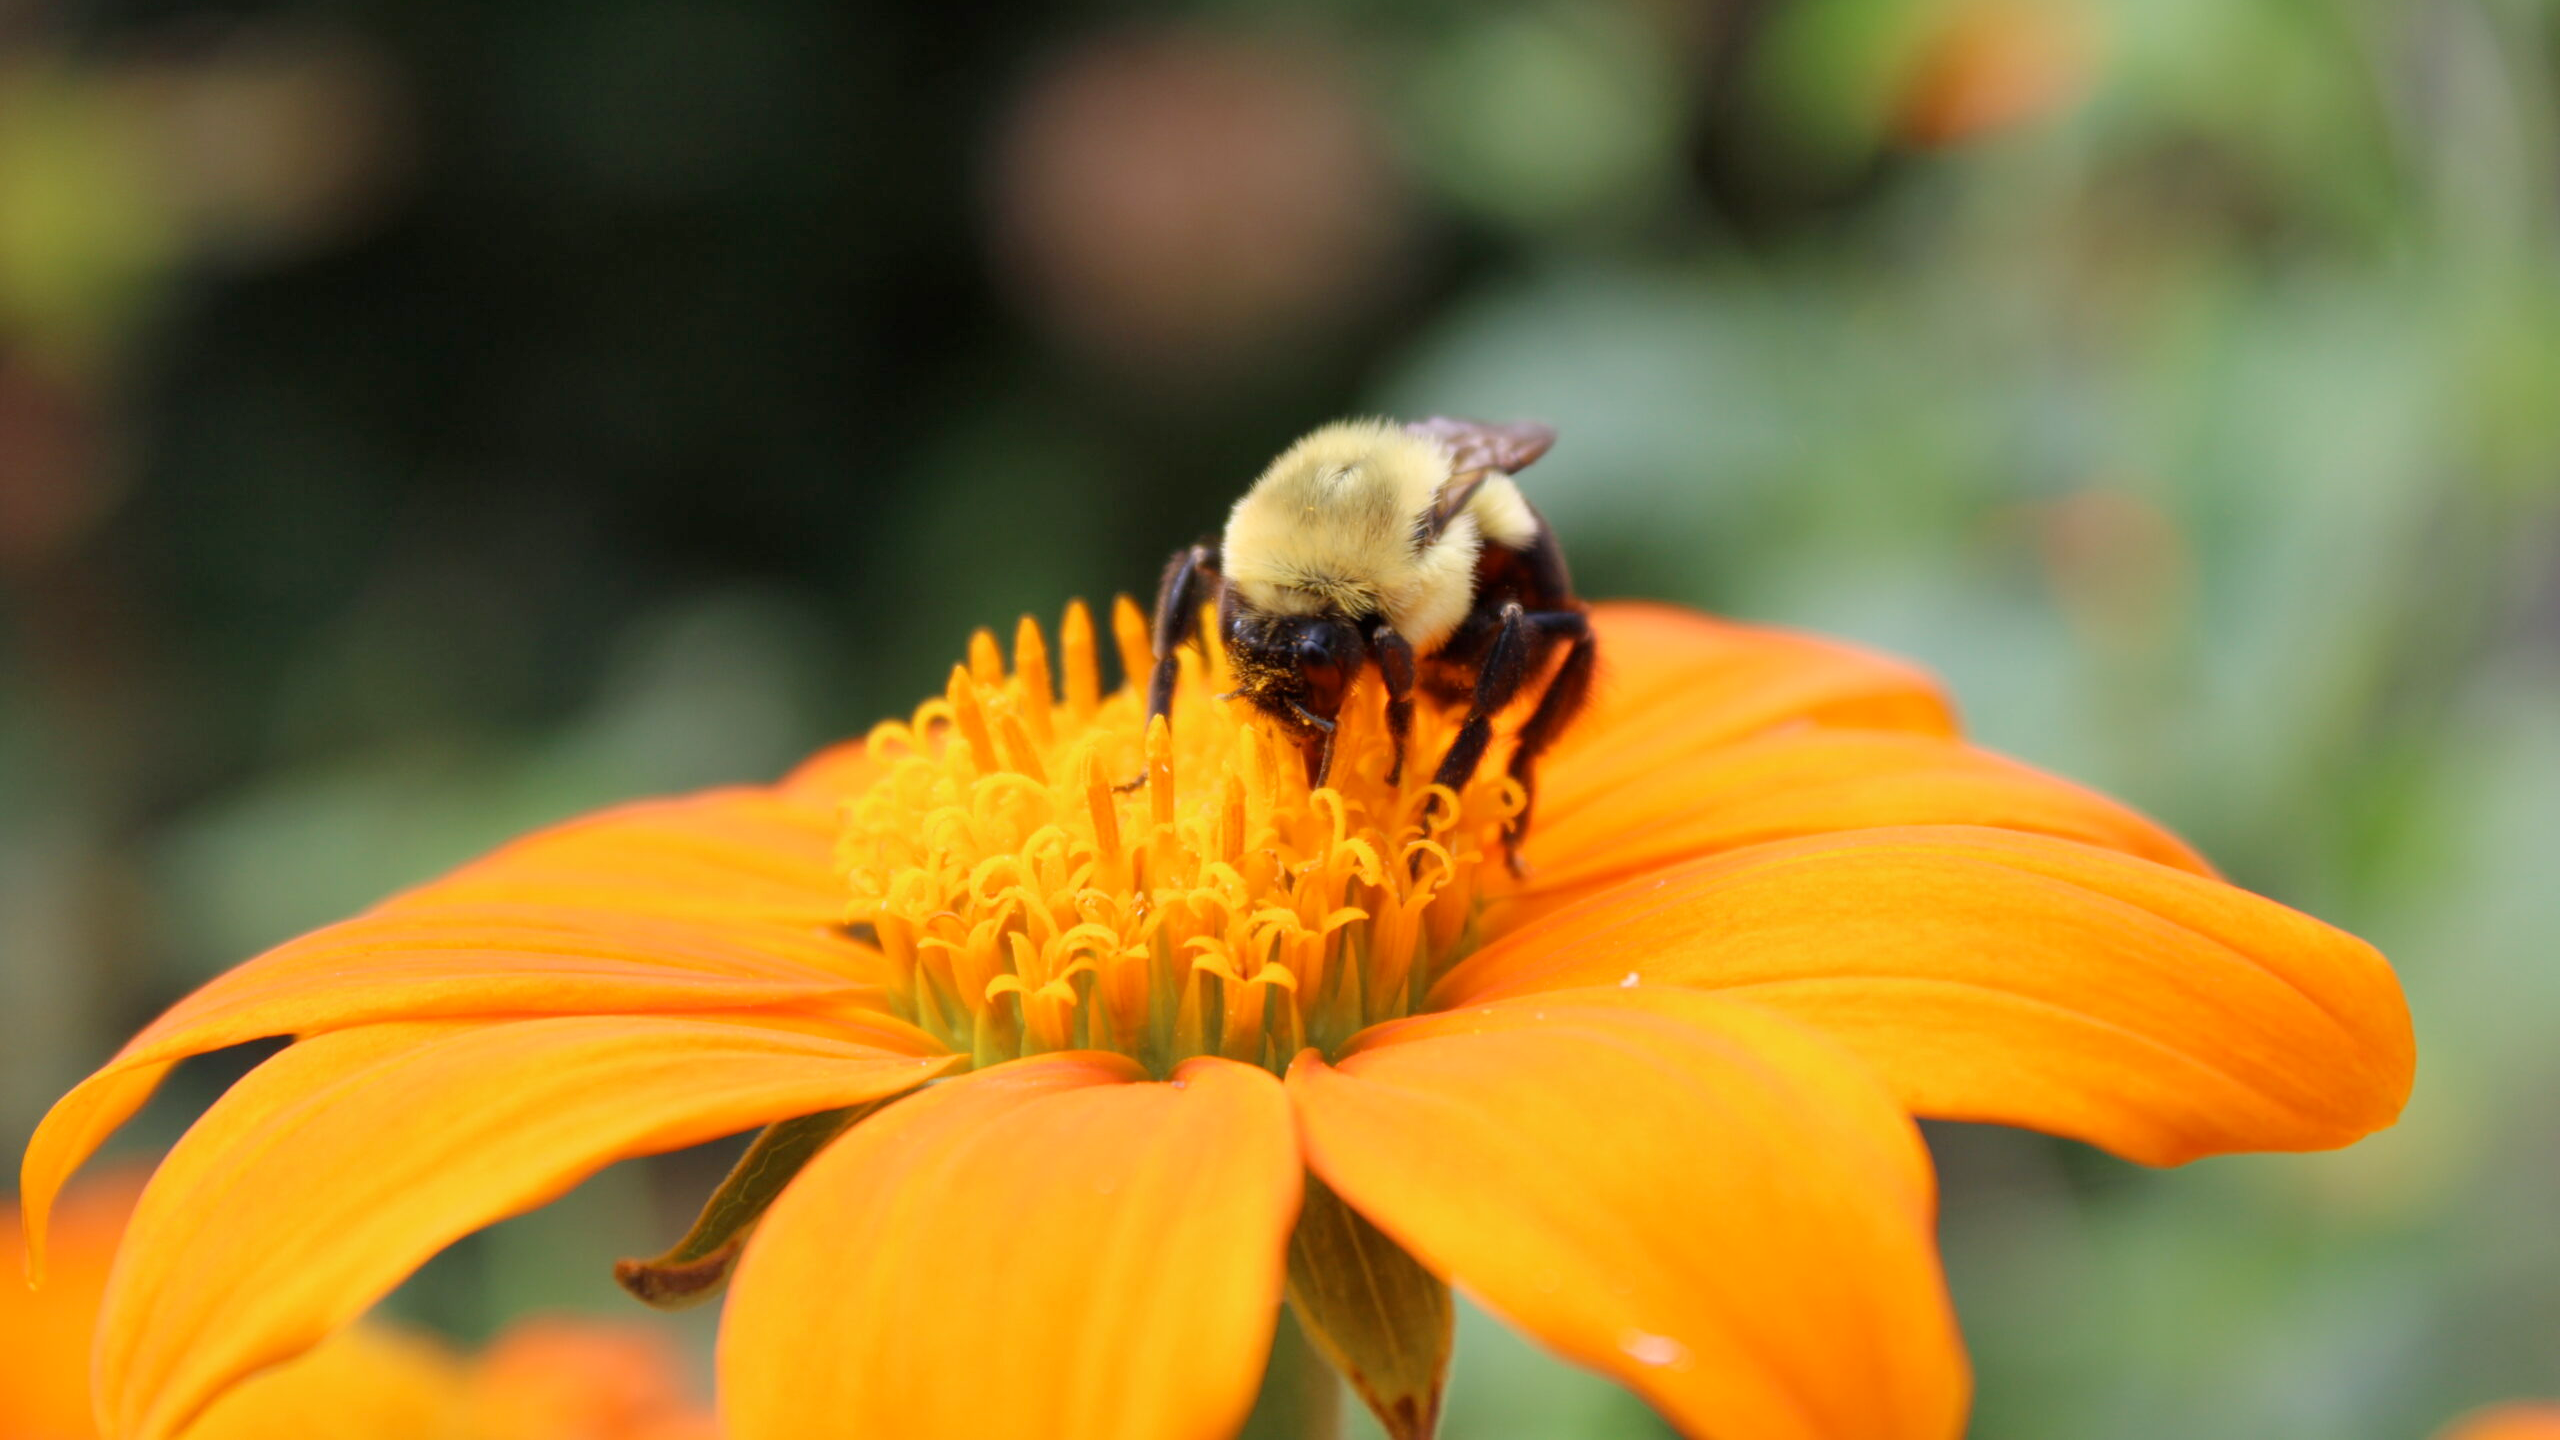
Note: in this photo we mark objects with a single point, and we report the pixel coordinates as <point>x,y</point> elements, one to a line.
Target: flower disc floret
<point>1049,871</point>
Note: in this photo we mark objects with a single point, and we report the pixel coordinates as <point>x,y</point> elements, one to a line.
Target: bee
<point>1406,549</point>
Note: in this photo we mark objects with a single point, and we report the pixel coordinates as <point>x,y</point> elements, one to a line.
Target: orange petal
<point>1053,1247</point>
<point>727,902</point>
<point>70,1133</point>
<point>338,1166</point>
<point>1990,975</point>
<point>833,775</point>
<point>1674,683</point>
<point>1697,1198</point>
<point>1813,781</point>
<point>734,855</point>
<point>366,1380</point>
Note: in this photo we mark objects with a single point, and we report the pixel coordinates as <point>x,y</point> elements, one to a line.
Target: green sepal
<point>695,1268</point>
<point>1385,1322</point>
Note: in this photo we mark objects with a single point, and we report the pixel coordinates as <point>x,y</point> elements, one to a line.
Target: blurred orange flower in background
<point>1984,66</point>
<point>1179,204</point>
<point>1219,1040</point>
<point>558,1378</point>
<point>2517,1420</point>
<point>544,1379</point>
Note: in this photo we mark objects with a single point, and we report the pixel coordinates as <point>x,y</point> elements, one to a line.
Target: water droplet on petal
<point>1633,979</point>
<point>1648,1349</point>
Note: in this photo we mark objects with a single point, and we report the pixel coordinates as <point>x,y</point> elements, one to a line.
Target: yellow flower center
<point>1028,902</point>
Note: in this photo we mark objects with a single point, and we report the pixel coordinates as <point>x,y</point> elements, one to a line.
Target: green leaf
<point>1385,1322</point>
<point>695,1268</point>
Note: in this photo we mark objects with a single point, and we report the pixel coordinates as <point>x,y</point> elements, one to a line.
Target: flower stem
<point>1301,1397</point>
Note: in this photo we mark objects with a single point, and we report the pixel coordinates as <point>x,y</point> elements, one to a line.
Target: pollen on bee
<point>1026,900</point>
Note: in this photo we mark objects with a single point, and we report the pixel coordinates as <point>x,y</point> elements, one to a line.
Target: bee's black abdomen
<point>1533,579</point>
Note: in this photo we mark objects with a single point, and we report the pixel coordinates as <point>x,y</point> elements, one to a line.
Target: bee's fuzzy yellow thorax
<point>1331,523</point>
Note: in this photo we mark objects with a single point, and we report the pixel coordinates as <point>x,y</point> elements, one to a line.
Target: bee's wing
<point>1476,450</point>
<point>1474,445</point>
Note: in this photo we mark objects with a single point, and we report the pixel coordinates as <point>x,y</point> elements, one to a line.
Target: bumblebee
<point>1404,548</point>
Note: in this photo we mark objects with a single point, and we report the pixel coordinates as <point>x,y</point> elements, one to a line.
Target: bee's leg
<point>1566,694</point>
<point>1317,748</point>
<point>1498,680</point>
<point>1394,655</point>
<point>1519,650</point>
<point>1189,579</point>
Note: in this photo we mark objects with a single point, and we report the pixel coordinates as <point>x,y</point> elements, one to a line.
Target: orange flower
<point>2516,1420</point>
<point>44,1334</point>
<point>563,1379</point>
<point>1214,1040</point>
<point>542,1380</point>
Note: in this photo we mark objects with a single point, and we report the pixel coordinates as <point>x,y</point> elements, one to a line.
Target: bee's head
<point>1294,668</point>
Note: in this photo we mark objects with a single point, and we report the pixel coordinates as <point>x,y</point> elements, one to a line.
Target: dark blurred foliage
<point>422,421</point>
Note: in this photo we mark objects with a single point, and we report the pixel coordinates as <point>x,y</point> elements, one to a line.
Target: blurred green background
<point>423,419</point>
